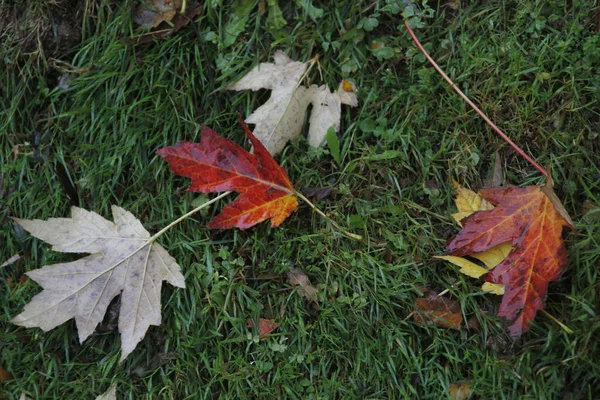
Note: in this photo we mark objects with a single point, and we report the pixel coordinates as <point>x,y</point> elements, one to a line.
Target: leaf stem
<point>184,216</point>
<point>321,213</point>
<point>469,102</point>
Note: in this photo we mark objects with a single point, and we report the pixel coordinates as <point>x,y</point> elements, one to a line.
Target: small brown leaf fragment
<point>262,7</point>
<point>459,392</point>
<point>152,13</point>
<point>296,276</point>
<point>168,25</point>
<point>473,324</point>
<point>388,256</point>
<point>265,326</point>
<point>440,311</point>
<point>4,375</point>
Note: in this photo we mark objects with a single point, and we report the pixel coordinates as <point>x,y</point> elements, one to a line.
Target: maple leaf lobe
<point>217,164</point>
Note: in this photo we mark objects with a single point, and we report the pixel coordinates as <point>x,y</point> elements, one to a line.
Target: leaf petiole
<point>322,214</point>
<point>184,216</point>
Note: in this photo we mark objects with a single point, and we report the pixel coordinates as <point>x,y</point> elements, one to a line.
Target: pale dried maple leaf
<point>280,119</point>
<point>123,260</point>
<point>110,394</point>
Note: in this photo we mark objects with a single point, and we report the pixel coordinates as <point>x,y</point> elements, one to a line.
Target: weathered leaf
<point>110,394</point>
<point>217,164</point>
<point>296,276</point>
<point>122,261</point>
<point>459,391</point>
<point>151,13</point>
<point>527,218</point>
<point>280,119</point>
<point>265,326</point>
<point>5,375</point>
<point>438,310</point>
<point>165,22</point>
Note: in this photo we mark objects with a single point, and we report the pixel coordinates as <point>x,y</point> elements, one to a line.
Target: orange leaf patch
<point>527,218</point>
<point>217,164</point>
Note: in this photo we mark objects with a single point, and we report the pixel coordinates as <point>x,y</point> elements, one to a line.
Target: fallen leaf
<point>123,260</point>
<point>151,13</point>
<point>217,164</point>
<point>168,23</point>
<point>296,276</point>
<point>4,375</point>
<point>433,309</point>
<point>265,326</point>
<point>459,392</point>
<point>280,119</point>
<point>528,220</point>
<point>110,394</point>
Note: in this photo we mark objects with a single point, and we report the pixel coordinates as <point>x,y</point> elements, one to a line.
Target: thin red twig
<point>473,106</point>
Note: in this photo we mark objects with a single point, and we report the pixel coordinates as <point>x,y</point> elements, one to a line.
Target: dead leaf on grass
<point>280,119</point>
<point>433,309</point>
<point>265,326</point>
<point>4,375</point>
<point>164,20</point>
<point>459,391</point>
<point>123,260</point>
<point>296,276</point>
<point>531,219</point>
<point>110,394</point>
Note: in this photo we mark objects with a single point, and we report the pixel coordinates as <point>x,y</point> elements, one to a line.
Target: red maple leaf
<point>217,164</point>
<point>528,219</point>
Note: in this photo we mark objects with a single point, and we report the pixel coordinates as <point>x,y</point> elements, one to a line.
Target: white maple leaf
<point>280,118</point>
<point>123,260</point>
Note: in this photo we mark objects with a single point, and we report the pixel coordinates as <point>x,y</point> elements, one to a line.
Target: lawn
<point>82,114</point>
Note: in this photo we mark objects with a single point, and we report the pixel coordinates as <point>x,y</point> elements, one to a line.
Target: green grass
<point>534,67</point>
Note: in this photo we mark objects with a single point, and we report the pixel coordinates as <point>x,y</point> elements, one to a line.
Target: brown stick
<point>469,102</point>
